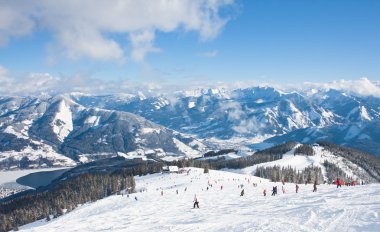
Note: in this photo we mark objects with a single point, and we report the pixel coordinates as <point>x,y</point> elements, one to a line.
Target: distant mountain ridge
<point>258,113</point>
<point>65,129</point>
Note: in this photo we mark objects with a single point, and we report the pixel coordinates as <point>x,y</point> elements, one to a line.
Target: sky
<point>188,41</point>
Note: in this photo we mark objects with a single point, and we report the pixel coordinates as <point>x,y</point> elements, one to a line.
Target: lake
<point>38,179</point>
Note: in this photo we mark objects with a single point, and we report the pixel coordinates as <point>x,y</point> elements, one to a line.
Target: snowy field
<point>330,209</point>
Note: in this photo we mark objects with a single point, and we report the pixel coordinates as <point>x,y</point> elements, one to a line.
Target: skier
<point>297,187</point>
<point>283,190</point>
<point>136,198</point>
<point>221,187</point>
<point>162,192</point>
<point>242,193</point>
<point>196,202</point>
<point>338,183</point>
<point>176,191</point>
<point>274,190</point>
<point>265,192</point>
<point>315,186</point>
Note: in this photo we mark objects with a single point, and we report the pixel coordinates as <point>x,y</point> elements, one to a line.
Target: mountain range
<point>66,129</point>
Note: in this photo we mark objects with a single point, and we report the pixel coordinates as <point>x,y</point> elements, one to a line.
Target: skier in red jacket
<point>338,183</point>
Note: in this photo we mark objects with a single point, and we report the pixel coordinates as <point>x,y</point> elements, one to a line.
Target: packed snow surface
<point>223,209</point>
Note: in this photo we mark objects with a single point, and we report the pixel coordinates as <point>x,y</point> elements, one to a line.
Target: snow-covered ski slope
<point>329,209</point>
<point>300,162</point>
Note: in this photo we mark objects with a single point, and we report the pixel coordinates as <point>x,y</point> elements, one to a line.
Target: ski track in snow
<point>330,209</point>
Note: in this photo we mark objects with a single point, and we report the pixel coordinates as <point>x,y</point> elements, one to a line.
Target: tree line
<point>277,173</point>
<point>369,163</point>
<point>333,172</point>
<point>304,149</point>
<point>65,195</point>
<point>266,155</point>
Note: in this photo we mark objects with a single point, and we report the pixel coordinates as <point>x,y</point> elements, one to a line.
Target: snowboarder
<point>196,202</point>
<point>297,187</point>
<point>315,186</point>
<point>242,193</point>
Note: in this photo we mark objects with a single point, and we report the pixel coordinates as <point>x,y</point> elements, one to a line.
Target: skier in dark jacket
<point>196,202</point>
<point>274,191</point>
<point>297,187</point>
<point>242,193</point>
<point>315,186</point>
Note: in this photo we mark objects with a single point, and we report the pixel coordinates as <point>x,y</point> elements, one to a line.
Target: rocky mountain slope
<point>56,131</point>
<point>256,114</point>
<point>65,129</point>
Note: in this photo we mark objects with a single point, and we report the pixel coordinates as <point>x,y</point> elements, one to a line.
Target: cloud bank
<point>36,83</point>
<point>88,28</point>
<point>361,87</point>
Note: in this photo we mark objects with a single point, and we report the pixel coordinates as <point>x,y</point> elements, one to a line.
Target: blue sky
<point>281,41</point>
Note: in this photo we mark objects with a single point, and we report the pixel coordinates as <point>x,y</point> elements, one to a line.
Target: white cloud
<point>88,28</point>
<point>247,126</point>
<point>14,22</point>
<point>234,110</point>
<point>209,54</point>
<point>142,43</point>
<point>36,83</point>
<point>361,87</point>
<point>243,123</point>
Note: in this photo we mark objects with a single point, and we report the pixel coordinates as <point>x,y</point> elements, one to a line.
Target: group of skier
<point>339,182</point>
<point>274,189</point>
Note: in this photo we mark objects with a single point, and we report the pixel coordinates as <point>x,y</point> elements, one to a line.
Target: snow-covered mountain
<point>363,136</point>
<point>63,129</point>
<point>255,113</point>
<point>56,131</point>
